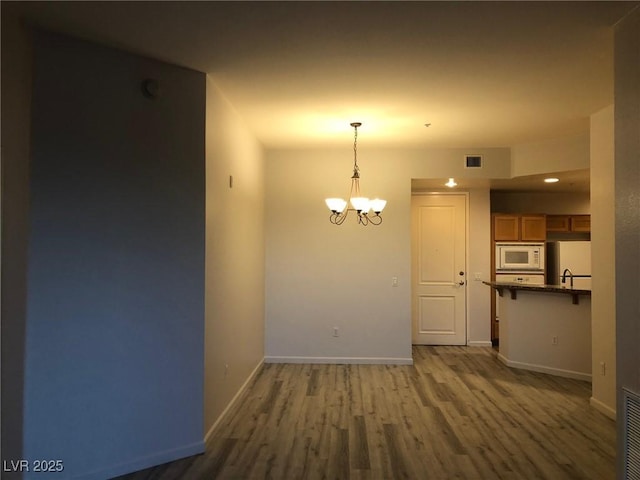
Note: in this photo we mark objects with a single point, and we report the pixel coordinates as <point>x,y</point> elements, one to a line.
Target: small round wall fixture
<point>150,88</point>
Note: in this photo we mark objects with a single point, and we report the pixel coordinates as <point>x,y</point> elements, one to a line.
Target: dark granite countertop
<point>514,287</point>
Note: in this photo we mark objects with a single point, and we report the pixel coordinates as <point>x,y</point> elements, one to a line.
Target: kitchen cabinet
<point>580,223</point>
<point>519,228</point>
<point>533,228</point>
<point>506,227</point>
<point>513,228</point>
<point>568,223</point>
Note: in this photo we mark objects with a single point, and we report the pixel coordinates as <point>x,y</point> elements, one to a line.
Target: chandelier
<point>361,205</point>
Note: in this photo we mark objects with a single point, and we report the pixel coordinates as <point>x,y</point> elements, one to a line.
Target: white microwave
<point>519,256</point>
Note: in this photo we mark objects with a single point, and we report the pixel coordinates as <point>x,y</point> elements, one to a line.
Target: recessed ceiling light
<point>551,180</point>
<point>451,183</point>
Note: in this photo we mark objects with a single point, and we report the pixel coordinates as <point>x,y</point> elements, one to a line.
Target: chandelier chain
<point>356,168</point>
<point>355,147</point>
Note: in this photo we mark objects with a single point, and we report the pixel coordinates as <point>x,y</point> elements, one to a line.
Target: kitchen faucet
<point>564,276</point>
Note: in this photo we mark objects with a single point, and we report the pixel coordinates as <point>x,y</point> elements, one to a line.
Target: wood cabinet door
<point>506,228</point>
<point>558,223</point>
<point>580,223</point>
<point>533,228</point>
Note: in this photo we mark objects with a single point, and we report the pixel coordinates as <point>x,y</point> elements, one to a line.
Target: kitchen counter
<point>541,330</point>
<point>514,287</point>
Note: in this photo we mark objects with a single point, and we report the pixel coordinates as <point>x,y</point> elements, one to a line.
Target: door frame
<point>464,194</point>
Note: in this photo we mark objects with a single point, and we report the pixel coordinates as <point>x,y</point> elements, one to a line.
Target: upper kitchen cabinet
<point>533,228</point>
<point>569,223</point>
<point>519,228</point>
<point>506,227</point>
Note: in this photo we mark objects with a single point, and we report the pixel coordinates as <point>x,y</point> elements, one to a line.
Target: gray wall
<point>115,289</point>
<point>627,192</point>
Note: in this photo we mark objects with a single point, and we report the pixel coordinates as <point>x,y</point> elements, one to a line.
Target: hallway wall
<point>234,266</point>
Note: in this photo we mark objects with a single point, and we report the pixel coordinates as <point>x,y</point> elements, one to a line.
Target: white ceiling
<point>484,74</point>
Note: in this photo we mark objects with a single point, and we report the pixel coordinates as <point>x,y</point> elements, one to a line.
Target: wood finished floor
<point>456,413</point>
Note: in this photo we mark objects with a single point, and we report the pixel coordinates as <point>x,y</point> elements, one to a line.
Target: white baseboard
<point>479,343</point>
<point>233,401</point>
<point>144,462</point>
<point>603,408</point>
<point>342,360</point>
<point>544,369</point>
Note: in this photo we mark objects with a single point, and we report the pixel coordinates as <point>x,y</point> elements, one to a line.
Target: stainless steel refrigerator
<point>574,256</point>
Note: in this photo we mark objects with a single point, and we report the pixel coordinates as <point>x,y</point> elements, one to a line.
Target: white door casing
<point>438,223</point>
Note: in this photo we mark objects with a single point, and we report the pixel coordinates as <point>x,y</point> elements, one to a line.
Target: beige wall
<point>558,155</point>
<point>603,309</point>
<point>528,324</point>
<point>321,276</point>
<point>478,294</point>
<point>234,265</point>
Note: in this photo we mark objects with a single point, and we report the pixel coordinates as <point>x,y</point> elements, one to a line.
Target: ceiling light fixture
<point>361,205</point>
<point>451,183</point>
<point>551,180</point>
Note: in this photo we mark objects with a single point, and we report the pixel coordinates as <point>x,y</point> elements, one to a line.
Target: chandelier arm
<point>376,219</point>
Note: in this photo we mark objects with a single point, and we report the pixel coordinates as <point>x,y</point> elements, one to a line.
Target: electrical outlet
<point>394,281</point>
<point>554,340</point>
<point>335,331</point>
<point>477,276</point>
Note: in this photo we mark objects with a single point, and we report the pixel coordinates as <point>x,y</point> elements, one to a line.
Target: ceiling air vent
<point>473,161</point>
<point>631,446</point>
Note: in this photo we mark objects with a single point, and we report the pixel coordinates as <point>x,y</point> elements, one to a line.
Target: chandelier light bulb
<point>336,204</point>
<point>360,204</point>
<point>377,205</point>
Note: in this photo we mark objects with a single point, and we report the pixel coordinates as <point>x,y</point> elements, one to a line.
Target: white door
<point>438,223</point>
